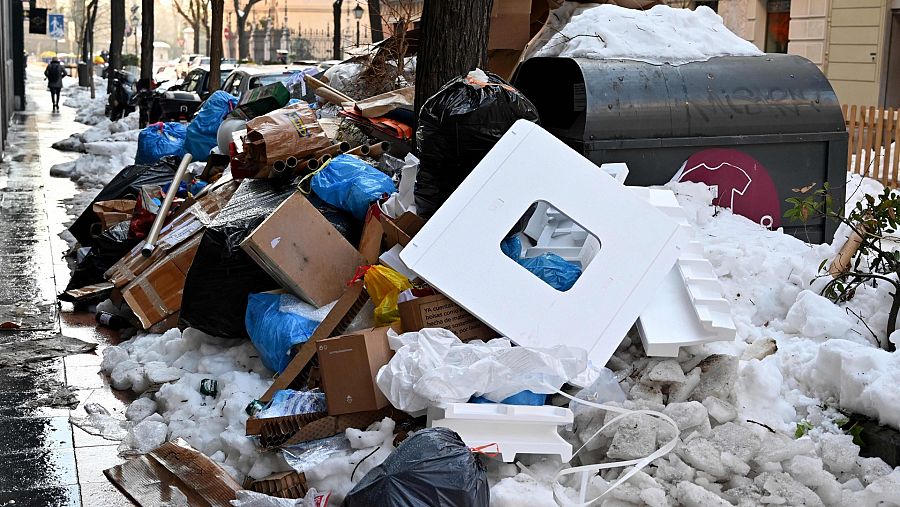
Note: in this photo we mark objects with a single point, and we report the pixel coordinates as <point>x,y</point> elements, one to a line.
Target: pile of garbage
<point>325,317</point>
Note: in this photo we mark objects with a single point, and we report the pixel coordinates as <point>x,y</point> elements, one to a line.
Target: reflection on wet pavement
<point>43,462</point>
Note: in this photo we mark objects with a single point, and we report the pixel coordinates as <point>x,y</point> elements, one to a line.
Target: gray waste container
<point>755,127</point>
<point>84,76</point>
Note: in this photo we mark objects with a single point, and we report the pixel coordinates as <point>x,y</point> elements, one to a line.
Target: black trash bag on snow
<point>109,247</point>
<point>432,468</point>
<point>125,185</point>
<point>458,125</point>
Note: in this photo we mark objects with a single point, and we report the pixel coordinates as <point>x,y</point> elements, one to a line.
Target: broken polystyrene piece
<point>507,430</point>
<point>689,307</point>
<point>618,170</point>
<point>457,250</point>
<point>391,259</point>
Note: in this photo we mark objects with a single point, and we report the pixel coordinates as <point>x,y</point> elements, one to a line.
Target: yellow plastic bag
<point>384,286</point>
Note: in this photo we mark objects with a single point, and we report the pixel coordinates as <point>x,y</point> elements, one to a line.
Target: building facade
<point>856,43</point>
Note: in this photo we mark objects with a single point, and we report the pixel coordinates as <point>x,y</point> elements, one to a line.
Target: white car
<point>184,63</point>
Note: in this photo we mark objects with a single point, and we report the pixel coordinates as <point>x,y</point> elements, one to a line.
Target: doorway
<point>892,76</point>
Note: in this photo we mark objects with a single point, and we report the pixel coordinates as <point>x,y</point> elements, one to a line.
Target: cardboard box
<point>349,364</point>
<point>300,249</point>
<point>290,484</point>
<point>181,228</point>
<point>112,212</point>
<point>510,24</point>
<point>335,424</point>
<point>399,231</point>
<point>156,293</point>
<point>441,311</point>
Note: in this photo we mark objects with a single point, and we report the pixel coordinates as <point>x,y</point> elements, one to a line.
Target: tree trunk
<point>147,39</point>
<point>454,41</point>
<point>215,44</point>
<point>117,38</point>
<point>337,53</point>
<point>91,18</point>
<point>196,27</point>
<point>375,20</point>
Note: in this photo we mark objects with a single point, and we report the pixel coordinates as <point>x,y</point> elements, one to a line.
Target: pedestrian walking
<point>55,73</point>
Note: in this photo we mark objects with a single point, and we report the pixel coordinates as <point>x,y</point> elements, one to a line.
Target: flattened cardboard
<point>440,311</point>
<point>300,249</point>
<point>151,480</point>
<point>112,212</point>
<point>156,293</point>
<point>333,425</point>
<point>457,252</point>
<point>289,484</point>
<point>349,364</point>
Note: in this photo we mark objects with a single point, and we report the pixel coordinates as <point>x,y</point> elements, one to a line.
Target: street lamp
<point>358,14</point>
<point>134,22</point>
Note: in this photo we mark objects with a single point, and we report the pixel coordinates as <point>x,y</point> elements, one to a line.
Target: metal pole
<point>357,33</point>
<point>153,235</point>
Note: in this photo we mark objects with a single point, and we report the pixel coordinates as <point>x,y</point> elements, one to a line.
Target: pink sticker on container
<point>739,181</point>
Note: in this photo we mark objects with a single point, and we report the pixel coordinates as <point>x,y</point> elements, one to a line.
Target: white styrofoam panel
<point>689,308</point>
<point>513,429</point>
<point>458,250</point>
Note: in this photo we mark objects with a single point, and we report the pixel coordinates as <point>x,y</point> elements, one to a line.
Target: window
<point>192,82</point>
<point>712,4</point>
<point>778,20</point>
<point>235,88</point>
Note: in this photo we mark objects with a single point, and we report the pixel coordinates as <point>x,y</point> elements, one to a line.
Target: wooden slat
<point>858,149</point>
<point>888,121</point>
<point>876,147</point>
<point>870,141</point>
<point>851,131</point>
<point>895,163</point>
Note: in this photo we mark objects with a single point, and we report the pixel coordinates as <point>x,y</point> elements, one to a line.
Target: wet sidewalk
<point>44,460</point>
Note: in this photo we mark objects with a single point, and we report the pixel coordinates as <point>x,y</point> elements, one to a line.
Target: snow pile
<point>90,111</point>
<point>659,35</point>
<point>173,365</point>
<point>103,160</point>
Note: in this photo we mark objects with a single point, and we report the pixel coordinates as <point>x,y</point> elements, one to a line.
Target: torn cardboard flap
<point>174,474</point>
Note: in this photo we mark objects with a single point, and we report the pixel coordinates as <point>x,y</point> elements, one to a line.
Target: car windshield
<point>270,79</point>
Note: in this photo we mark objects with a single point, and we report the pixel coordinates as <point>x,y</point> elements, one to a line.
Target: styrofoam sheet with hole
<point>458,250</point>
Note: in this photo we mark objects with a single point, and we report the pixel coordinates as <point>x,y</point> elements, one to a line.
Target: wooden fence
<point>872,150</point>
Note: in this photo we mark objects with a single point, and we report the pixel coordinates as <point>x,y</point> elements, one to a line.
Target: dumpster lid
<point>587,100</point>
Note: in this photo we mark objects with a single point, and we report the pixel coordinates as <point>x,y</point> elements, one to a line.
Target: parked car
<point>197,80</point>
<point>184,63</point>
<point>246,78</point>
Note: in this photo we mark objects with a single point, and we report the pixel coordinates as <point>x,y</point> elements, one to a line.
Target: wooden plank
<point>851,131</point>
<point>895,163</point>
<point>860,131</point>
<point>876,146</point>
<point>870,135</point>
<point>887,137</point>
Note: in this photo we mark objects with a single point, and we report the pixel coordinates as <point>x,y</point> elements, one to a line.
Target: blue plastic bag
<point>160,140</point>
<point>201,133</point>
<point>350,184</point>
<point>525,397</point>
<point>553,269</point>
<point>274,332</point>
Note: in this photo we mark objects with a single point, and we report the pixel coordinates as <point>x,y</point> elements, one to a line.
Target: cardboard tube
<point>841,263</point>
<point>313,164</point>
<point>333,149</point>
<point>329,95</point>
<point>291,162</point>
<point>361,150</point>
<point>377,150</point>
<point>153,235</point>
<point>278,167</point>
<point>317,85</point>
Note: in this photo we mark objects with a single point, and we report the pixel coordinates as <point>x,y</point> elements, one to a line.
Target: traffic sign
<point>56,26</point>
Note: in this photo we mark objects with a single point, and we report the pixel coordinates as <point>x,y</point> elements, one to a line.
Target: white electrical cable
<point>585,471</point>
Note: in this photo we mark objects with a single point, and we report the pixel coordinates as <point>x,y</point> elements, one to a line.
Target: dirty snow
<point>659,35</point>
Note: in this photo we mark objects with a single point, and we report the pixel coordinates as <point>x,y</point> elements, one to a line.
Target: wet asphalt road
<point>44,461</point>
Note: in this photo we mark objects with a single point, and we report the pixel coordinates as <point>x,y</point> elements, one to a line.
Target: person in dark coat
<point>55,73</point>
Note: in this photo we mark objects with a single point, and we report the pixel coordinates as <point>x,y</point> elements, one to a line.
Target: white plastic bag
<point>433,365</point>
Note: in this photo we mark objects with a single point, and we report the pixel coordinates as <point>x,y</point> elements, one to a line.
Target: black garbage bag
<point>458,125</point>
<point>125,185</point>
<point>432,468</point>
<point>108,248</point>
<point>345,223</point>
<point>222,276</point>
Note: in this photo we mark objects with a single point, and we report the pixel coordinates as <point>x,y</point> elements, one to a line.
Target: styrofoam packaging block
<point>507,430</point>
<point>618,170</point>
<point>689,308</point>
<point>458,250</point>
